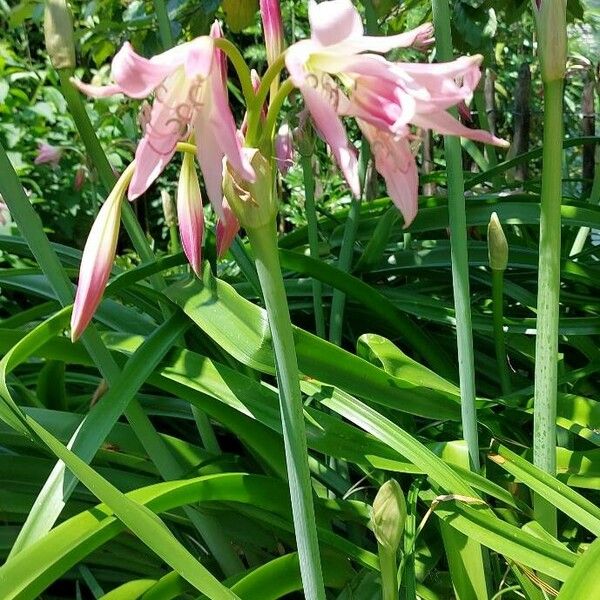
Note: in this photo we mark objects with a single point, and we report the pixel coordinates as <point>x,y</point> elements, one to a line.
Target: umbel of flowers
<point>340,73</point>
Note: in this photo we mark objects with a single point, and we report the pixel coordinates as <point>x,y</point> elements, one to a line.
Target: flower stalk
<point>546,346</point>
<point>552,53</point>
<point>459,256</point>
<point>264,246</point>
<point>255,206</point>
<point>498,260</point>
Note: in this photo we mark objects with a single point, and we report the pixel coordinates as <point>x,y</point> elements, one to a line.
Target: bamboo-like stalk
<point>264,245</point>
<point>546,346</point>
<point>459,257</point>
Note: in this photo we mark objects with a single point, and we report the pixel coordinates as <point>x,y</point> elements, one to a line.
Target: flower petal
<point>445,123</point>
<point>224,130</point>
<point>419,38</point>
<point>173,109</point>
<point>190,213</point>
<point>96,263</point>
<point>334,21</point>
<point>396,164</point>
<point>322,105</point>
<point>210,158</point>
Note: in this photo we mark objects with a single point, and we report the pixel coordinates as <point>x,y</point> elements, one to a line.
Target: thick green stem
<point>546,346</point>
<point>389,573</point>
<point>264,246</point>
<point>459,255</point>
<point>499,339</point>
<point>313,238</point>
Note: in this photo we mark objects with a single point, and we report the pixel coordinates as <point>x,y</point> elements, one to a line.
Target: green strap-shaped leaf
<point>142,521</point>
<point>241,328</point>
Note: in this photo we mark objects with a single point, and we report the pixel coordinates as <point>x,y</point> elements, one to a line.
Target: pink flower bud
<point>270,13</point>
<point>190,213</point>
<point>98,257</point>
<point>79,179</point>
<point>227,228</point>
<point>284,149</point>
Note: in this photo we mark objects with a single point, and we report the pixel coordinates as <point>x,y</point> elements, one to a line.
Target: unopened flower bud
<point>389,515</point>
<point>253,203</point>
<point>270,13</point>
<point>168,208</point>
<point>284,149</point>
<point>304,135</point>
<point>497,244</point>
<point>190,213</point>
<point>551,25</point>
<point>79,179</point>
<point>98,257</point>
<point>58,34</point>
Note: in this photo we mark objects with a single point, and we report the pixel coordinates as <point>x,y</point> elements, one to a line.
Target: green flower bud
<point>58,33</point>
<point>254,204</point>
<point>168,208</point>
<point>497,244</point>
<point>389,515</point>
<point>551,22</point>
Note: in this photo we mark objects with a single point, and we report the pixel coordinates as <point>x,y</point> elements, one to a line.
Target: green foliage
<point>176,483</point>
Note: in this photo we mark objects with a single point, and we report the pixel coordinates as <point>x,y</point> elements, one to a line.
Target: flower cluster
<point>340,73</point>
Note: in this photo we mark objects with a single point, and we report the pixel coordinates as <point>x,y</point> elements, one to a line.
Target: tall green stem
<point>498,318</point>
<point>459,255</point>
<point>264,246</point>
<point>546,343</point>
<point>313,238</point>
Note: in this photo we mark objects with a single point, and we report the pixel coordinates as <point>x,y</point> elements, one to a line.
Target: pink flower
<point>385,97</point>
<point>48,154</point>
<point>190,97</point>
<point>189,83</point>
<point>284,149</point>
<point>270,13</point>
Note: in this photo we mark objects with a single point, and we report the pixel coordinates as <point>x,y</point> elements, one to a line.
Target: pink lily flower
<point>189,83</point>
<point>48,154</point>
<point>385,97</point>
<point>190,96</point>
